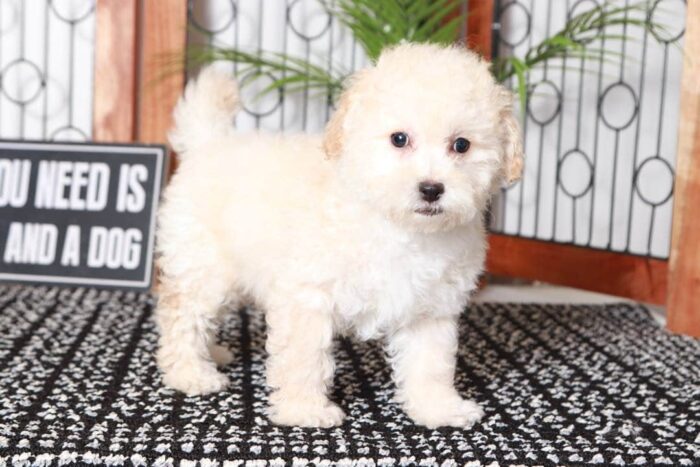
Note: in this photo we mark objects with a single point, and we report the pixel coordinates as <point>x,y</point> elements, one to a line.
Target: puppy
<point>375,229</point>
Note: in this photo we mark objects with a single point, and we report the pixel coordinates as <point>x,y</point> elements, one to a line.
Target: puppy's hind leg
<point>221,354</point>
<point>186,316</point>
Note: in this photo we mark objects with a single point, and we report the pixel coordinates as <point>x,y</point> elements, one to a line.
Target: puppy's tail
<point>205,111</point>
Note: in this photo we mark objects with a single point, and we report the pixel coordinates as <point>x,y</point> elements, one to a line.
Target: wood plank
<point>480,26</point>
<point>114,108</point>
<point>635,277</point>
<point>683,310</point>
<point>164,35</point>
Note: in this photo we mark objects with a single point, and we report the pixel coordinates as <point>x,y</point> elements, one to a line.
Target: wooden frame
<point>479,26</point>
<point>648,280</point>
<point>134,42</point>
<point>683,299</point>
<point>643,279</point>
<point>164,37</point>
<point>114,108</point>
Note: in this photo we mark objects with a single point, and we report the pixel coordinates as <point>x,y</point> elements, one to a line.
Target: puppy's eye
<point>461,145</point>
<point>399,139</point>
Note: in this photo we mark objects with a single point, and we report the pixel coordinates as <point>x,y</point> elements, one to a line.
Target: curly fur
<point>323,233</point>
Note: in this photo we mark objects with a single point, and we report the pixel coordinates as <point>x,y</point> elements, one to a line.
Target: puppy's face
<point>425,136</point>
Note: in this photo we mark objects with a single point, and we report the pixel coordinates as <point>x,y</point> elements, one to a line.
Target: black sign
<point>79,214</point>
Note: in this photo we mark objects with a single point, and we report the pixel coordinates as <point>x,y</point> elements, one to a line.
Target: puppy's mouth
<point>429,211</point>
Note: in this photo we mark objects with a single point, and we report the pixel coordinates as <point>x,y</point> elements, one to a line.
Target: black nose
<point>431,191</point>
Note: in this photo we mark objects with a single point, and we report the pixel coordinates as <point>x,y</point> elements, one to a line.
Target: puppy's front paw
<point>320,413</point>
<point>195,378</point>
<point>449,411</point>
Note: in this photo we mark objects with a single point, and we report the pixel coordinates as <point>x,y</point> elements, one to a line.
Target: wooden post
<point>163,39</point>
<point>114,108</point>
<point>480,26</point>
<point>683,310</point>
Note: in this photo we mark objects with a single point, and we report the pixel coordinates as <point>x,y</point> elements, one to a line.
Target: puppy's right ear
<point>511,139</point>
<point>334,135</point>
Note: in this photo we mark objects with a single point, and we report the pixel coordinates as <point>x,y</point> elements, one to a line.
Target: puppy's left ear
<point>511,139</point>
<point>334,135</point>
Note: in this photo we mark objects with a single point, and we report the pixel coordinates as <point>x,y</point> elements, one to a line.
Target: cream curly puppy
<point>374,229</point>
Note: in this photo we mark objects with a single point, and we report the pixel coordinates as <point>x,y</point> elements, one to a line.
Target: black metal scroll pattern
<point>226,31</point>
<point>40,86</point>
<point>647,172</point>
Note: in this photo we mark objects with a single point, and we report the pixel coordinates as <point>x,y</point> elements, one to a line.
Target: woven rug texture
<point>560,385</point>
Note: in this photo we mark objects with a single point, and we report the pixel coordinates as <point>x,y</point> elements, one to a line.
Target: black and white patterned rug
<point>579,385</point>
